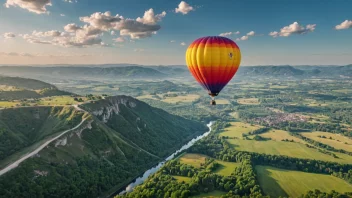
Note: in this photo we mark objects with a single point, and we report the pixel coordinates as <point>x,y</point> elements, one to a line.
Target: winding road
<point>28,155</point>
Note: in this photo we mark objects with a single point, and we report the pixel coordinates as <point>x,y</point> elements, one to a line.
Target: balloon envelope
<point>213,61</point>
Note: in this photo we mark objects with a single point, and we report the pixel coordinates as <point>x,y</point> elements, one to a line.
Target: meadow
<point>248,101</point>
<point>193,159</point>
<point>226,168</point>
<point>182,178</point>
<point>238,128</point>
<point>279,135</point>
<point>57,101</point>
<point>279,182</point>
<point>337,141</point>
<point>181,98</point>
<point>291,149</point>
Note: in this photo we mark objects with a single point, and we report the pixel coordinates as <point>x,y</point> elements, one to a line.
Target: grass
<point>235,115</point>
<point>4,104</point>
<point>278,87</point>
<point>182,179</point>
<point>248,101</point>
<point>291,149</point>
<point>222,101</point>
<point>338,141</point>
<point>279,135</point>
<point>226,168</point>
<point>181,98</point>
<point>238,128</point>
<point>147,97</point>
<point>279,182</point>
<point>193,159</point>
<point>58,101</point>
<point>215,193</point>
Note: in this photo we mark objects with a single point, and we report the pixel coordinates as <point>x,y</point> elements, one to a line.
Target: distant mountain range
<point>16,88</point>
<point>123,72</point>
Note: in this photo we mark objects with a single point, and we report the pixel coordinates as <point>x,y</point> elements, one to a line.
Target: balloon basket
<point>213,102</point>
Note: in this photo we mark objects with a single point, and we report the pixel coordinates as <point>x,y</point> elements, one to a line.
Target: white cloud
<point>36,6</point>
<point>172,41</point>
<point>119,40</point>
<point>142,27</point>
<point>97,24</point>
<point>226,34</point>
<point>251,33</point>
<point>294,28</point>
<point>183,8</point>
<point>70,1</point>
<point>243,38</point>
<point>238,32</point>
<point>9,35</point>
<point>62,15</point>
<point>150,18</point>
<point>183,43</point>
<point>344,25</point>
<point>103,21</point>
<point>72,27</point>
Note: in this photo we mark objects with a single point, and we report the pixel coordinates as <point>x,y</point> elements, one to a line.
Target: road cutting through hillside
<point>28,155</point>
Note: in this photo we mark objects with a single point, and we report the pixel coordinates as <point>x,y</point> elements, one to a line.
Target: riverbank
<point>142,177</point>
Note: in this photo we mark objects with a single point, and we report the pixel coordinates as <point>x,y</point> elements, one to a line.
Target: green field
<point>226,168</point>
<point>291,149</point>
<point>248,101</point>
<point>279,182</point>
<point>238,128</point>
<point>222,101</point>
<point>193,159</point>
<point>182,178</point>
<point>215,193</point>
<point>181,98</point>
<point>57,101</point>
<point>279,135</point>
<point>337,141</point>
<point>8,104</point>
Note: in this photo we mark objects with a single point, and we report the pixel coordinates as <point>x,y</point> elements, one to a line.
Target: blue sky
<point>322,34</point>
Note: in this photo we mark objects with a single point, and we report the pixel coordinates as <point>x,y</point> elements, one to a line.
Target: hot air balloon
<point>213,61</point>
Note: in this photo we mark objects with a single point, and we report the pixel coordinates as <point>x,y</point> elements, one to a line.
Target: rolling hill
<point>121,138</point>
<point>16,88</point>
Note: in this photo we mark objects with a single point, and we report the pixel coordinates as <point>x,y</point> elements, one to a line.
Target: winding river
<point>146,174</point>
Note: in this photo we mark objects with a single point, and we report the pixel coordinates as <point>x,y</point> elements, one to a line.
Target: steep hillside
<point>122,138</point>
<point>16,88</point>
<point>22,127</point>
<point>152,129</point>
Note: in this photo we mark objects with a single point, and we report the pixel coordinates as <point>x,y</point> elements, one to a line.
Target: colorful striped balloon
<point>213,61</point>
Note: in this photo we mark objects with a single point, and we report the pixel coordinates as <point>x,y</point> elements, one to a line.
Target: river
<point>146,174</point>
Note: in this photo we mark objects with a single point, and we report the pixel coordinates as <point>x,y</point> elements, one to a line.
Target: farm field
<point>248,101</point>
<point>279,182</point>
<point>6,104</point>
<point>279,135</point>
<point>57,101</point>
<point>181,98</point>
<point>238,128</point>
<point>337,141</point>
<point>226,168</point>
<point>291,149</point>
<point>182,178</point>
<point>193,159</point>
<point>222,101</point>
